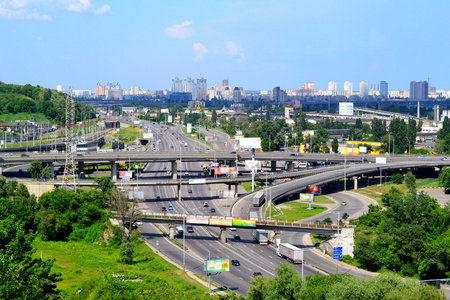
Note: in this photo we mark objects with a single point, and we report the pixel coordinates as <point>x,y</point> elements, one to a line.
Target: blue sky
<point>255,44</point>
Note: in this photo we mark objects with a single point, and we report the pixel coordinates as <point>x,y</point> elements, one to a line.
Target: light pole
<point>267,197</point>
<point>179,193</point>
<point>184,243</point>
<point>345,169</point>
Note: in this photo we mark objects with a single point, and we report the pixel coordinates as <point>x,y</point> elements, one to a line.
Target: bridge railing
<point>300,225</point>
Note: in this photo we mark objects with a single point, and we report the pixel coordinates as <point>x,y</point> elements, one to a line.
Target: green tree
<point>286,285</point>
<point>35,169</point>
<point>397,178</point>
<point>104,184</point>
<point>214,117</point>
<point>46,173</point>
<point>410,182</point>
<point>378,129</point>
<point>335,145</point>
<point>258,288</point>
<point>444,178</point>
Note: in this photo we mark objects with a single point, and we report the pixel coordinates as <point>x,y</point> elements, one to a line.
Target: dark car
<point>235,262</point>
<point>292,154</point>
<point>256,274</point>
<point>213,210</point>
<point>190,229</point>
<point>164,208</point>
<point>190,191</point>
<point>158,198</point>
<point>24,155</point>
<point>237,237</point>
<point>41,179</point>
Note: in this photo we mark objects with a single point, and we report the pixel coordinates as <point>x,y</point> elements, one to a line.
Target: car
<point>190,228</point>
<point>158,198</point>
<point>171,147</point>
<point>177,138</point>
<point>237,237</point>
<point>170,207</point>
<point>235,262</point>
<point>165,168</point>
<point>420,156</point>
<point>233,152</point>
<point>24,155</point>
<point>139,223</point>
<point>292,154</point>
<point>344,203</point>
<point>299,154</point>
<point>186,173</point>
<point>445,158</point>
<point>213,210</point>
<point>205,204</point>
<point>41,179</point>
<point>168,172</point>
<point>164,208</point>
<point>233,228</point>
<point>8,154</point>
<point>256,274</point>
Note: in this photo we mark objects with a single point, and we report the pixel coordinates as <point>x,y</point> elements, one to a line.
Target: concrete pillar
<point>174,169</point>
<point>81,169</point>
<point>179,192</point>
<point>290,166</point>
<point>355,179</point>
<point>233,164</point>
<point>229,187</point>
<point>236,190</point>
<point>273,166</point>
<point>171,232</point>
<point>222,236</point>
<point>113,170</point>
<point>96,167</point>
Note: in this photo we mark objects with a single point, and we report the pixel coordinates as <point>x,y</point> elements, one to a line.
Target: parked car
<point>235,262</point>
<point>213,210</point>
<point>233,228</point>
<point>256,274</point>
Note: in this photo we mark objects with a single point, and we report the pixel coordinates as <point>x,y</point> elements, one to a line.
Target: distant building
<point>177,85</point>
<point>278,95</point>
<point>348,88</point>
<point>201,88</point>
<point>134,90</point>
<point>363,89</point>
<point>100,90</point>
<point>59,88</point>
<point>236,95</point>
<point>288,111</point>
<point>346,108</point>
<point>181,96</point>
<point>332,86</point>
<point>112,124</point>
<point>114,94</point>
<point>384,92</point>
<point>418,90</point>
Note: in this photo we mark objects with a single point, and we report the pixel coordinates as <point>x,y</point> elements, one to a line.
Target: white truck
<point>258,198</point>
<point>260,236</point>
<point>290,253</point>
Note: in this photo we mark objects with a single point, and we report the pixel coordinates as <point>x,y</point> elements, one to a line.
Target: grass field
<point>248,186</point>
<point>295,211</point>
<point>21,116</point>
<point>129,134</point>
<point>79,262</point>
<point>323,199</point>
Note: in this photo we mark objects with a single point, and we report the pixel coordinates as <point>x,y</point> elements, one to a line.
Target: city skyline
<point>255,45</point>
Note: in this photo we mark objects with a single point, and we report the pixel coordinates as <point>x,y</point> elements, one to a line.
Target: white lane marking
<point>270,256</point>
<point>261,250</point>
<point>252,250</point>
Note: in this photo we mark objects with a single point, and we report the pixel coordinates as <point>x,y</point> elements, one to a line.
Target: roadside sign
<point>337,252</point>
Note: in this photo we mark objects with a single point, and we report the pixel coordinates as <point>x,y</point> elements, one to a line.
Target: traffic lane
<point>192,262</point>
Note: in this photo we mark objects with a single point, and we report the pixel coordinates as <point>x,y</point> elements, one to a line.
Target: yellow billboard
<point>221,222</point>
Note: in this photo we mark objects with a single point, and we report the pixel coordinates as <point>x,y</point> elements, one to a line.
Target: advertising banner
<point>244,223</point>
<point>221,222</point>
<point>380,160</point>
<point>226,194</point>
<point>249,143</point>
<point>217,265</point>
<point>169,119</point>
<point>136,195</point>
<point>125,174</point>
<point>252,164</point>
<point>362,149</point>
<point>197,220</point>
<point>136,122</point>
<point>313,189</point>
<point>221,171</point>
<point>208,138</point>
<point>153,115</point>
<point>306,197</point>
<point>148,136</point>
<point>197,181</point>
<point>165,111</point>
<point>189,128</point>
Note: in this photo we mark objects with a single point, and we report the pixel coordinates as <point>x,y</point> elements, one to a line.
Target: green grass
<point>21,116</point>
<point>428,183</point>
<point>129,134</point>
<point>248,186</point>
<point>295,211</point>
<point>323,199</point>
<point>79,262</point>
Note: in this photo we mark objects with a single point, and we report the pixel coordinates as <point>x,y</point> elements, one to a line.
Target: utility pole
<point>70,141</point>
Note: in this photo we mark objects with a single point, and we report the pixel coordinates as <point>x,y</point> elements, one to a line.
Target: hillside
<point>18,102</point>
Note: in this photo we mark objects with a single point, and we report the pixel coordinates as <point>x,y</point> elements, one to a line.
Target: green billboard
<point>217,265</point>
<point>244,223</point>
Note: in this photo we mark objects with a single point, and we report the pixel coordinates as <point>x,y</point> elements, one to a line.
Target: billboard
<point>380,160</point>
<point>249,143</point>
<point>244,223</point>
<point>217,265</point>
<point>197,181</point>
<point>148,136</point>
<point>346,108</point>
<point>165,111</point>
<point>153,115</point>
<point>169,119</point>
<point>221,222</point>
<point>226,194</point>
<point>136,122</point>
<point>306,197</point>
<point>221,171</point>
<point>362,149</point>
<point>208,138</point>
<point>125,174</point>
<point>197,220</point>
<point>189,128</point>
<point>136,195</point>
<point>313,189</point>
<point>252,164</point>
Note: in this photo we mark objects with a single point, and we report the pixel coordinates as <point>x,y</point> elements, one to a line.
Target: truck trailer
<point>258,198</point>
<point>290,253</point>
<point>260,236</point>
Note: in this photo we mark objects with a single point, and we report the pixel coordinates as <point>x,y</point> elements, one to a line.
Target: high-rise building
<point>177,85</point>
<point>348,88</point>
<point>332,86</point>
<point>278,95</point>
<point>189,85</point>
<point>201,88</point>
<point>59,88</point>
<point>418,90</point>
<point>363,89</point>
<point>309,86</point>
<point>384,92</point>
<point>236,95</point>
<point>225,82</point>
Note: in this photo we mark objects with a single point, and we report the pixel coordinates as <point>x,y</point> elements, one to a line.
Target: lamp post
<point>179,195</point>
<point>184,243</point>
<point>345,169</point>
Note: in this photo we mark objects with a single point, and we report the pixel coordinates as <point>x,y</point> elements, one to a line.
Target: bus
<point>179,230</point>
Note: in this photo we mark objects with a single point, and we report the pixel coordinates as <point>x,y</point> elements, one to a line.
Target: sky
<point>256,45</point>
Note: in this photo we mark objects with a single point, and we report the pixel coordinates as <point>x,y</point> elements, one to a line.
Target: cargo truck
<point>258,198</point>
<point>290,253</point>
<point>260,236</point>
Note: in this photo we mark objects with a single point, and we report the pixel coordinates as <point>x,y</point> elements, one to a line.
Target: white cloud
<point>32,9</point>
<point>180,31</point>
<point>234,50</point>
<point>201,51</point>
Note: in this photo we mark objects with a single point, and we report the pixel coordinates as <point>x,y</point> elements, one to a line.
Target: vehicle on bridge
<point>260,236</point>
<point>179,231</point>
<point>290,253</point>
<point>258,198</point>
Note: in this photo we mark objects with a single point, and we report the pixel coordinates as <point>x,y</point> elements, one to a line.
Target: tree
<point>104,184</point>
<point>128,214</point>
<point>410,182</point>
<point>378,129</point>
<point>397,178</point>
<point>46,173</point>
<point>258,288</point>
<point>286,284</point>
<point>214,117</point>
<point>35,170</point>
<point>444,178</point>
<point>335,145</point>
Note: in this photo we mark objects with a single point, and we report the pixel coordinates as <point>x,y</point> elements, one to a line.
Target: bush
<point>397,178</point>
